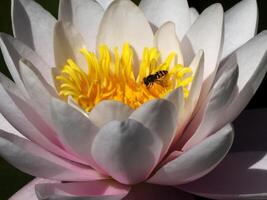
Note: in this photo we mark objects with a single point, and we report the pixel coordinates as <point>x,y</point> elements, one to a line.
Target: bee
<point>155,78</point>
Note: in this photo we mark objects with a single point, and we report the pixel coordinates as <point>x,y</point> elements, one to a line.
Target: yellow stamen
<point>110,76</point>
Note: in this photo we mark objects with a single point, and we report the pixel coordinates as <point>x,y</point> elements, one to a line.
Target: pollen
<point>110,76</point>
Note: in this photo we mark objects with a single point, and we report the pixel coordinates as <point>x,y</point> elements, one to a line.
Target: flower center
<point>111,76</point>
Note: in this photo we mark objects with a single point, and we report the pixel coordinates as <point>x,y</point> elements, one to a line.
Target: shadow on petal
<point>156,192</point>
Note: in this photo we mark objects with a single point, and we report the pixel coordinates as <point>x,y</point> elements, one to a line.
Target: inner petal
<point>110,76</point>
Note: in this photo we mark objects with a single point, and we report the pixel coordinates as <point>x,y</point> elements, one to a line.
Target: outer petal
<point>241,24</point>
<point>34,26</point>
<point>193,15</point>
<point>67,44</point>
<point>124,22</point>
<point>109,110</point>
<point>156,192</point>
<point>206,34</point>
<point>197,161</point>
<point>13,50</point>
<point>95,190</point>
<point>240,175</point>
<point>85,15</point>
<point>28,191</point>
<point>160,117</point>
<point>119,146</point>
<point>251,60</point>
<point>38,162</point>
<point>167,42</point>
<point>159,12</point>
<point>74,129</point>
<point>252,63</point>
<point>218,101</point>
<point>22,116</point>
<point>7,127</point>
<point>39,91</point>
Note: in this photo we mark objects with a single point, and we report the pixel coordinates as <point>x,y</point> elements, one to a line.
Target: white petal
<point>193,15</point>
<point>25,119</point>
<point>32,159</point>
<point>218,101</point>
<point>39,91</point>
<point>197,66</point>
<point>34,26</point>
<point>68,43</point>
<point>177,98</point>
<point>91,190</point>
<point>160,117</point>
<point>85,15</point>
<point>241,24</point>
<point>240,175</point>
<point>206,34</point>
<point>6,126</point>
<point>159,12</point>
<point>105,3</point>
<point>13,50</point>
<point>252,63</point>
<point>109,110</point>
<point>127,151</point>
<point>124,22</point>
<point>189,106</point>
<point>251,60</point>
<point>75,130</point>
<point>28,191</point>
<point>167,42</point>
<point>197,161</point>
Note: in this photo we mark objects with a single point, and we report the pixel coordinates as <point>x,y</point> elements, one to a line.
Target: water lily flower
<point>115,101</point>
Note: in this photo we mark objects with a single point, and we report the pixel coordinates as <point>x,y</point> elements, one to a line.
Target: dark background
<point>11,179</point>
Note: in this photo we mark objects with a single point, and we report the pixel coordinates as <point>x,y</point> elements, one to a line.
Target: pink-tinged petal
<point>105,3</point>
<point>167,42</point>
<point>218,101</point>
<point>206,33</point>
<point>108,110</point>
<point>119,146</point>
<point>24,118</point>
<point>67,45</point>
<point>241,23</point>
<point>159,12</point>
<point>93,190</point>
<point>160,117</point>
<point>250,131</point>
<point>75,130</point>
<point>28,191</point>
<point>156,192</point>
<point>124,22</point>
<point>85,15</point>
<point>13,50</point>
<point>34,26</point>
<point>197,161</point>
<point>239,176</point>
<point>33,160</point>
<point>193,15</point>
